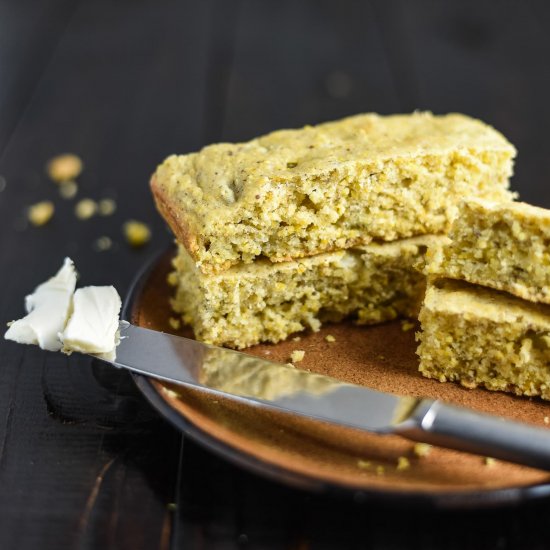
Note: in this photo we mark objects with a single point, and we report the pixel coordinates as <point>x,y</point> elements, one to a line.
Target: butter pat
<point>93,325</point>
<point>48,309</point>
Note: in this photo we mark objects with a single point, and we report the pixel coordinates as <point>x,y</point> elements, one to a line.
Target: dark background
<point>84,461</point>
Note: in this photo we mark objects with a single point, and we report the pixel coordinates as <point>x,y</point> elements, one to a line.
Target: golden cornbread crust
<point>174,218</point>
<point>266,302</point>
<point>482,337</point>
<point>297,193</point>
<point>504,246</point>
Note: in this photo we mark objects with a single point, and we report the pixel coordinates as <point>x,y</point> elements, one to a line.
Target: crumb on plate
<point>403,463</point>
<point>422,449</point>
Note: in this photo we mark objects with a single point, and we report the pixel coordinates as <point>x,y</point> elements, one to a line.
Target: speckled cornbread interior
<point>381,357</point>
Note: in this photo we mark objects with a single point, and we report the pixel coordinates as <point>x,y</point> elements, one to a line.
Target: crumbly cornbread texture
<point>504,246</point>
<point>296,193</point>
<point>483,337</point>
<point>266,302</point>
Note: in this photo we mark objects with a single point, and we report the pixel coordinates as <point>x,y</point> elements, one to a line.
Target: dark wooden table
<point>84,460</point>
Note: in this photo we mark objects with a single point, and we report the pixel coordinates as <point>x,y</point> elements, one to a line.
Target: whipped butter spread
<point>59,318</point>
<point>48,309</point>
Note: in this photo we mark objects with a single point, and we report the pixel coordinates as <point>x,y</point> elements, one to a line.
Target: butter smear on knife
<point>61,319</point>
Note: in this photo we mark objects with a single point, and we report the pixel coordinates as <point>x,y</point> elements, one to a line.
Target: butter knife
<point>266,384</point>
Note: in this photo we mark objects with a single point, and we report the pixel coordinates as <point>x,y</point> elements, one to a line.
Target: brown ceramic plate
<point>319,456</point>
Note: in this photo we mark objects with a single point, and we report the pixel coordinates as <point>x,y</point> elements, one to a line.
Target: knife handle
<point>457,428</point>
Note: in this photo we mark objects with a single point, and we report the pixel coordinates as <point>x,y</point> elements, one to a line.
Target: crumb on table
<point>40,213</point>
<point>297,355</point>
<point>103,243</point>
<point>85,209</point>
<point>106,207</point>
<point>406,325</point>
<point>64,167</point>
<point>68,189</point>
<point>330,338</point>
<point>137,233</point>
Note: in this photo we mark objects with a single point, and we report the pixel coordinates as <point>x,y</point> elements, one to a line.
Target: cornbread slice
<point>504,246</point>
<point>483,337</point>
<point>266,302</point>
<point>297,193</point>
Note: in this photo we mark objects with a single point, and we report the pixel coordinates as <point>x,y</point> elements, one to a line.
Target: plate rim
<point>443,500</point>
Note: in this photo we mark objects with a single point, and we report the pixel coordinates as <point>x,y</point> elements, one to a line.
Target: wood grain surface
<point>84,461</point>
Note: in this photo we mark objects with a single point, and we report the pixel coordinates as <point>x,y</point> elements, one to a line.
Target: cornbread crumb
<point>137,233</point>
<point>330,338</point>
<point>547,419</point>
<point>297,193</point>
<point>41,213</point>
<point>85,209</point>
<point>296,339</point>
<point>488,461</point>
<point>175,323</point>
<point>106,207</point>
<point>172,278</point>
<point>482,337</point>
<point>407,325</point>
<point>103,243</point>
<point>364,464</point>
<point>242,306</point>
<point>291,365</point>
<point>403,463</point>
<point>64,168</point>
<point>68,190</point>
<point>297,355</point>
<point>422,449</point>
<point>498,245</point>
<point>380,470</point>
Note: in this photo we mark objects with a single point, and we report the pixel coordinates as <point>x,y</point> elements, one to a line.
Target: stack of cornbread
<point>486,316</point>
<point>288,230</point>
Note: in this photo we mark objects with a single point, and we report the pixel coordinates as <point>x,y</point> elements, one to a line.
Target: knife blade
<point>262,383</point>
